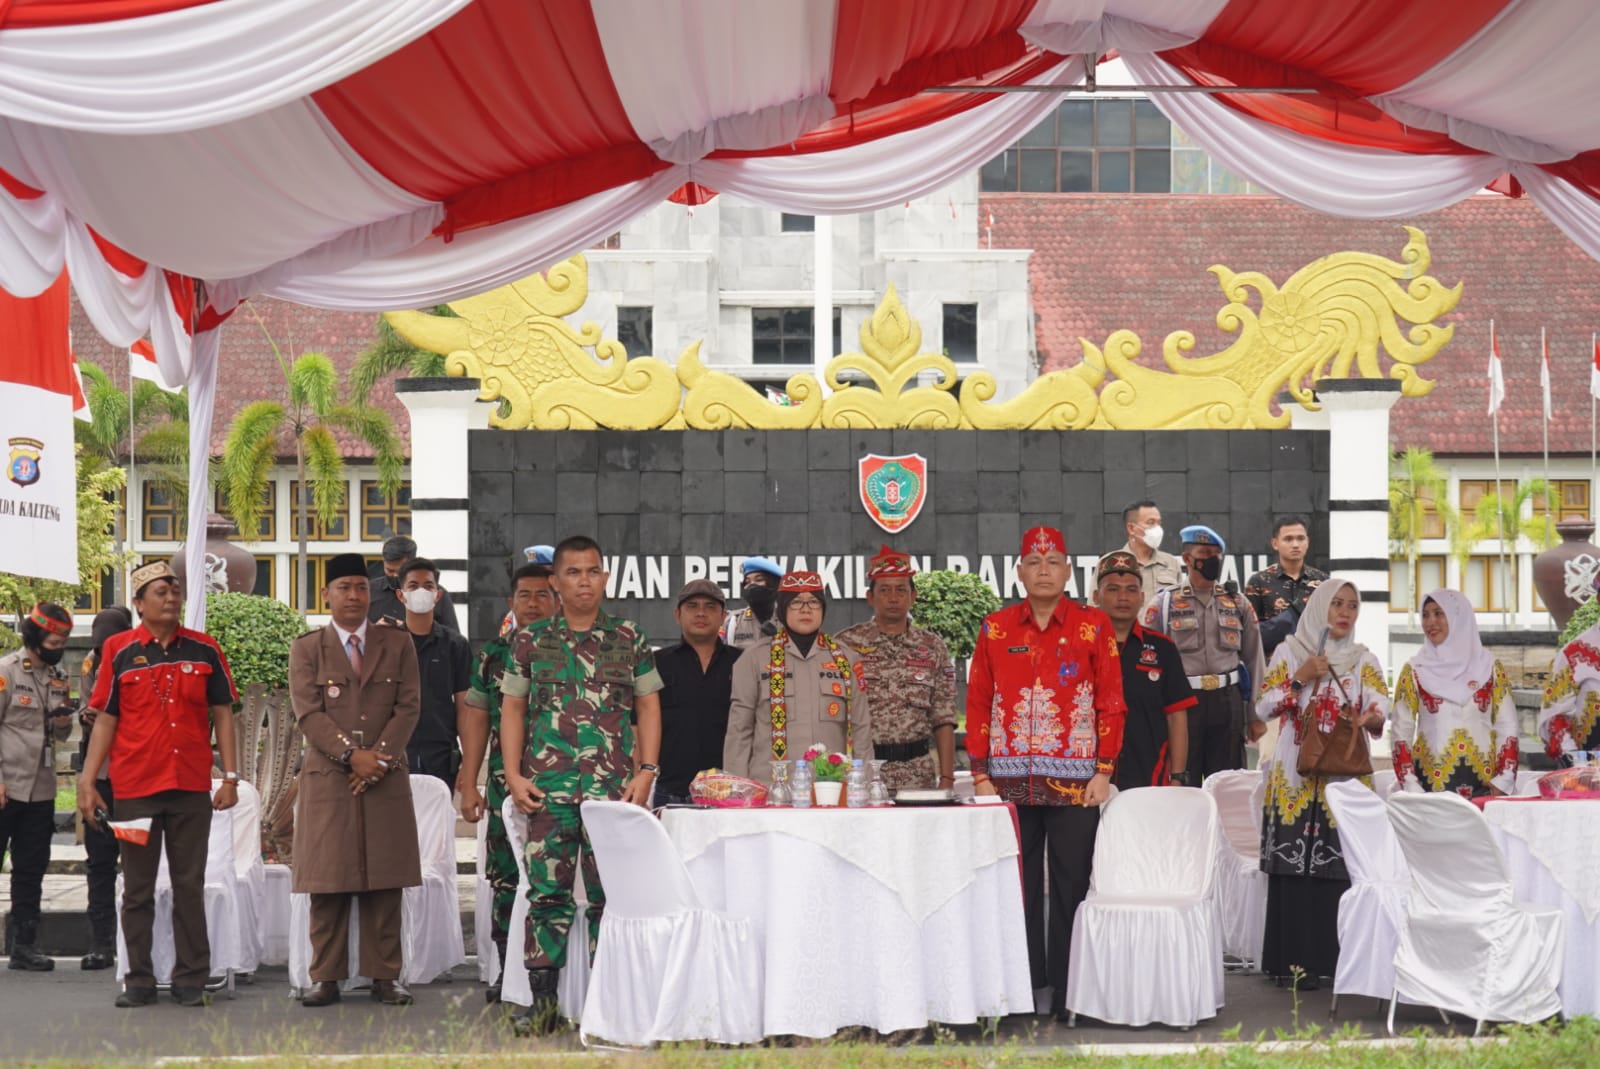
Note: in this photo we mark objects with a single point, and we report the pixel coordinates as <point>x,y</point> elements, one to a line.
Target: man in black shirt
<point>697,678</point>
<point>1155,736</point>
<point>445,661</point>
<point>386,606</point>
<point>1279,591</point>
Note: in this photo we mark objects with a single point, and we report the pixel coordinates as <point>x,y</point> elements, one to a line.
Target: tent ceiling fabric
<point>378,154</point>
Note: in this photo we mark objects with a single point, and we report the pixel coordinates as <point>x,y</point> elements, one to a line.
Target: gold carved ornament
<point>1329,319</point>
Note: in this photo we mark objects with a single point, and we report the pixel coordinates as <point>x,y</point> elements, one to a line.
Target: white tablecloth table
<point>1552,848</point>
<point>888,918</point>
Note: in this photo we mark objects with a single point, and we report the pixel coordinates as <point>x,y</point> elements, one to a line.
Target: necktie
<point>352,649</point>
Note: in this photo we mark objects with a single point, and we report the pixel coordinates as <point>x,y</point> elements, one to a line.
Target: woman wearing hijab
<point>795,688</point>
<point>1311,676</point>
<point>1570,717</point>
<point>100,849</point>
<point>1455,725</point>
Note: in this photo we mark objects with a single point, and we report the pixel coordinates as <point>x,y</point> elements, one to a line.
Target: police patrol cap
<point>149,573</point>
<point>1118,562</point>
<point>540,554</point>
<point>761,564</point>
<point>1201,535</point>
<point>701,588</point>
<point>345,566</point>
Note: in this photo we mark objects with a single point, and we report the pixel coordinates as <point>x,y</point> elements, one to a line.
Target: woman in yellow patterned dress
<point>1455,725</point>
<point>1300,850</point>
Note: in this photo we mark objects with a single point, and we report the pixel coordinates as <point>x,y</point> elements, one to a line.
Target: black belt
<point>900,751</point>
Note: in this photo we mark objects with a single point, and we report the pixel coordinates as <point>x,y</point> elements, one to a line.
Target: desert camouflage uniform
<point>580,689</point>
<point>500,865</point>
<point>910,682</point>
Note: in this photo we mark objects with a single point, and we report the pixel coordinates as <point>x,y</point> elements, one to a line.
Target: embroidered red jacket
<point>1045,708</point>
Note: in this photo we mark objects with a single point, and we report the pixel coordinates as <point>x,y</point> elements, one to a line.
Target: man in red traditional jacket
<point>1044,727</point>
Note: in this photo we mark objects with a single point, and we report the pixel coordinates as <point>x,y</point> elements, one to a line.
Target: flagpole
<point>1592,399</point>
<point>127,490</point>
<point>1544,355</point>
<point>1505,617</point>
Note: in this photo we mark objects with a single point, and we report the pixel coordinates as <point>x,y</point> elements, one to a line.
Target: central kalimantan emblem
<point>893,488</point>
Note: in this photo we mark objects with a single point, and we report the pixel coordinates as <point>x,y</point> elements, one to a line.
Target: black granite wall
<point>678,497</point>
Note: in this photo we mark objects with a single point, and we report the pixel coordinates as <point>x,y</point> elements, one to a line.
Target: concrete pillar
<point>442,411</point>
<point>1357,412</point>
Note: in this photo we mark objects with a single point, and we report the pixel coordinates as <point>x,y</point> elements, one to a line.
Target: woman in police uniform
<point>797,688</point>
<point>35,712</point>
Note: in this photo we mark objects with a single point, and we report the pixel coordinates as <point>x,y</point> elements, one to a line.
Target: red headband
<point>49,623</point>
<point>1043,540</point>
<point>801,583</point>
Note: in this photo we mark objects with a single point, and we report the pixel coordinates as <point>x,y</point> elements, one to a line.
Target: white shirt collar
<point>344,636</point>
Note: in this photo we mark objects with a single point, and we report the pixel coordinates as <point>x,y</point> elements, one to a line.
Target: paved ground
<point>68,1014</point>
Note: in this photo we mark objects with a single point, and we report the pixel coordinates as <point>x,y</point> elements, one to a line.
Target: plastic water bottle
<point>800,783</point>
<point>964,789</point>
<point>856,785</point>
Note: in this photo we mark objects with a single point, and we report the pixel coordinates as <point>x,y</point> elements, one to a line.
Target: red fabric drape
<point>16,14</point>
<point>33,337</point>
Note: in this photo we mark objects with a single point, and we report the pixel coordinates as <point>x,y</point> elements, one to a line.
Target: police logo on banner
<point>22,467</point>
<point>893,489</point>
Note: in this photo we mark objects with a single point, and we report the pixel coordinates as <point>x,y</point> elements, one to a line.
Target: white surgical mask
<point>420,601</point>
<point>1152,537</point>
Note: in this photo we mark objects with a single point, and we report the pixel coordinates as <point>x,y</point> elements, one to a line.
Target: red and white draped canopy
<point>378,154</point>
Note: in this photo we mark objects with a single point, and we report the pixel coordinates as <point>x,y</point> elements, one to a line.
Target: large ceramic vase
<point>229,566</point>
<point>1564,574</point>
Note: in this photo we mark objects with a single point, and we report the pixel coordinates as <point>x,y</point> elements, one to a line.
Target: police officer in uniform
<point>1215,630</point>
<point>909,679</point>
<point>35,714</point>
<point>748,626</point>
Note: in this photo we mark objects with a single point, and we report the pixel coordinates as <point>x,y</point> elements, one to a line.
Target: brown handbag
<point>1340,752</point>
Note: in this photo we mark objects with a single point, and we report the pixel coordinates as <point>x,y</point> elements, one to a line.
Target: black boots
<point>99,957</point>
<point>26,956</point>
<point>544,1016</point>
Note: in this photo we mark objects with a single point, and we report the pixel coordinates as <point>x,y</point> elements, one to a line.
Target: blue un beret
<point>760,564</point>
<point>1201,535</point>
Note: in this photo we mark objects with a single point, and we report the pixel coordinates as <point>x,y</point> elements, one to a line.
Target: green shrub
<point>1586,616</point>
<point>9,639</point>
<point>952,605</point>
<point>254,632</point>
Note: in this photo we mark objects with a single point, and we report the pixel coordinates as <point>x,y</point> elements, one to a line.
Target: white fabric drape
<point>31,249</point>
<point>200,66</point>
<point>691,86</point>
<point>1075,27</point>
<point>1575,212</point>
<point>1357,183</point>
<point>202,381</point>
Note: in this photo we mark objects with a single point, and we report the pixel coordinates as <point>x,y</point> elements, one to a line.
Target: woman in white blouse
<point>1312,675</point>
<point>1455,725</point>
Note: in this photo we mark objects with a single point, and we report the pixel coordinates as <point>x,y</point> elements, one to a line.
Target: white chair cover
<point>1384,781</point>
<point>483,911</point>
<point>1466,946</point>
<point>430,920</point>
<point>276,912</point>
<point>1373,910</point>
<point>573,986</point>
<point>1241,886</point>
<point>250,874</point>
<point>222,909</point>
<point>666,969</point>
<point>1146,945</point>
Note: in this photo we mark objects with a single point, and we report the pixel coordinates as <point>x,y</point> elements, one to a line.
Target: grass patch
<point>66,799</point>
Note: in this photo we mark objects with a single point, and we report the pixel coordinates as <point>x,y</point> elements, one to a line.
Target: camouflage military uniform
<point>910,682</point>
<point>500,864</point>
<point>580,689</point>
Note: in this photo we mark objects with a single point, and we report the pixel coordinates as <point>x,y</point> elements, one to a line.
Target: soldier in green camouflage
<point>532,599</point>
<point>572,689</point>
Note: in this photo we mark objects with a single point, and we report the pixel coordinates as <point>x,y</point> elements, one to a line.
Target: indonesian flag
<point>1594,369</point>
<point>142,365</point>
<point>38,491</point>
<point>136,832</point>
<point>1544,372</point>
<point>1497,378</point>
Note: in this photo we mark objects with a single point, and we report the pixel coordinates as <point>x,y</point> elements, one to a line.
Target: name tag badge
<point>1020,649</point>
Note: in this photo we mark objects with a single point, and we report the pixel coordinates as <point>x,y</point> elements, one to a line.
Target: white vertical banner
<point>39,491</point>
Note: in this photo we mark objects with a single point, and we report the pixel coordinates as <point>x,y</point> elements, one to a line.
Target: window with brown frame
<point>1430,576</point>
<point>1480,582</point>
<point>1571,497</point>
<point>338,530</point>
<point>266,520</point>
<point>383,517</point>
<point>161,519</point>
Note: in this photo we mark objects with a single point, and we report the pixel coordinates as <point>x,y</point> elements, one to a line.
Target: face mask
<point>51,657</point>
<point>420,601</point>
<point>1209,568</point>
<point>1152,537</point>
<point>760,599</point>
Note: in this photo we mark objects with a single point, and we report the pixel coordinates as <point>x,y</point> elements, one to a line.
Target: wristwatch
<point>1297,685</point>
<point>654,770</point>
<point>1183,779</point>
<point>344,758</point>
<point>230,777</point>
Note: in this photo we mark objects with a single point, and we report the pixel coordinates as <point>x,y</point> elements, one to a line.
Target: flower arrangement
<point>825,766</point>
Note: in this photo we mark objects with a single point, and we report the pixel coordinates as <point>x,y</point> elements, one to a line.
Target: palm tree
<point>1418,487</point>
<point>1499,516</point>
<point>153,428</point>
<point>310,414</point>
<point>390,353</point>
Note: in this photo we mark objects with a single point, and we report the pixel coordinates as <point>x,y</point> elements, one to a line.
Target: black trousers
<point>25,830</point>
<point>440,764</point>
<point>1216,731</point>
<point>100,848</point>
<point>1059,838</point>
